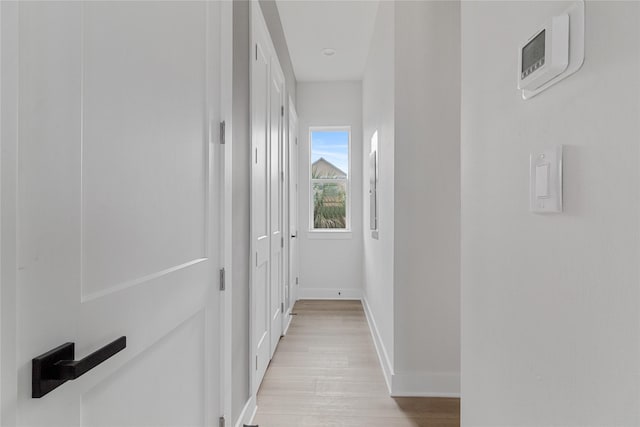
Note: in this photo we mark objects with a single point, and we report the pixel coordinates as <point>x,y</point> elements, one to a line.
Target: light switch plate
<point>545,181</point>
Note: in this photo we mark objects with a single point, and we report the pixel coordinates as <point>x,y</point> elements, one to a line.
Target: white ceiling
<point>313,25</point>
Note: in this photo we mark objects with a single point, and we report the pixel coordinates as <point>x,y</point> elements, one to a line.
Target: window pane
<point>330,154</point>
<point>329,205</point>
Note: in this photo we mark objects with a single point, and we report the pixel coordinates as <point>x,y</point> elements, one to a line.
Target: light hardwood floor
<point>326,373</point>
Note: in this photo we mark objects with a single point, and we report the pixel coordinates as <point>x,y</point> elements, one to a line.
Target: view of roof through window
<point>330,150</point>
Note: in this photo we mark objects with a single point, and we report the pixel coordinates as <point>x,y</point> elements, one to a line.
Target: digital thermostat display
<point>552,51</point>
<point>545,54</point>
<point>533,55</point>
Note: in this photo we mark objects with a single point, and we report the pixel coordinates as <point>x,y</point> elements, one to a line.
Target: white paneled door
<point>267,196</point>
<point>117,189</point>
<point>293,205</point>
<point>260,211</point>
<point>276,112</point>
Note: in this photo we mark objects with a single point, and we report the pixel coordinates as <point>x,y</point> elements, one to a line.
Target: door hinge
<point>256,51</point>
<point>221,422</point>
<point>282,175</point>
<point>256,362</point>
<point>222,279</point>
<point>296,280</point>
<point>222,132</point>
<point>282,241</point>
<point>282,110</point>
<point>281,307</point>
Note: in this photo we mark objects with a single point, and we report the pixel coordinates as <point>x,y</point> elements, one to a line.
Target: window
<point>329,178</point>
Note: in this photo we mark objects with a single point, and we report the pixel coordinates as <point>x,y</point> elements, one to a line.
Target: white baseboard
<point>425,384</point>
<point>329,293</point>
<point>248,412</point>
<point>383,357</point>
<point>410,384</point>
<point>288,318</point>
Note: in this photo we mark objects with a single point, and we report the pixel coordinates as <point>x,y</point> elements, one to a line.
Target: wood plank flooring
<point>326,373</point>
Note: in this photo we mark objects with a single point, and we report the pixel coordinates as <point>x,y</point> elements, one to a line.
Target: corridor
<point>325,372</point>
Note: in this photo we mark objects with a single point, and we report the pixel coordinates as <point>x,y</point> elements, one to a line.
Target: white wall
<point>550,303</point>
<point>411,96</point>
<point>378,115</point>
<point>427,198</point>
<point>330,265</point>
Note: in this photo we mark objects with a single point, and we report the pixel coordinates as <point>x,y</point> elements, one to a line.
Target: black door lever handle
<point>53,368</point>
<point>72,369</point>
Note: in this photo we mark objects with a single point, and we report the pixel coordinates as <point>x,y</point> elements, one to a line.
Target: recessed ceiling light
<point>328,52</point>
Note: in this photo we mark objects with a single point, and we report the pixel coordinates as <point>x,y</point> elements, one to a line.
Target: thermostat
<point>545,54</point>
<point>552,52</point>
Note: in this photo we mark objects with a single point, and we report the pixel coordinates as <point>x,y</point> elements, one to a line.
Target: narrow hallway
<point>325,372</point>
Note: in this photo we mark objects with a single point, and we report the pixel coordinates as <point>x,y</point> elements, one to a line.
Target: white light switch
<point>542,180</point>
<point>545,185</point>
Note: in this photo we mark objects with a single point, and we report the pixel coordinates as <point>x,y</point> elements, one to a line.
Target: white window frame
<point>326,231</point>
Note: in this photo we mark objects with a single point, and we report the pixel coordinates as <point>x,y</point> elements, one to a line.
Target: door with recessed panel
<point>117,207</point>
<point>276,148</point>
<point>260,203</point>
<point>293,206</point>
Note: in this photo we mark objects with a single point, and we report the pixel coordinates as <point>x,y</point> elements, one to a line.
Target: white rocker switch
<point>542,181</point>
<point>545,184</point>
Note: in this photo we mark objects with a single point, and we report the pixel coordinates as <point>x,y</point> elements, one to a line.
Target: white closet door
<point>260,203</point>
<point>117,205</point>
<point>293,205</point>
<point>277,193</point>
<point>267,195</point>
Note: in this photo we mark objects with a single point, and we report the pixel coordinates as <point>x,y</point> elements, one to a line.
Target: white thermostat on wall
<point>545,54</point>
<point>553,52</point>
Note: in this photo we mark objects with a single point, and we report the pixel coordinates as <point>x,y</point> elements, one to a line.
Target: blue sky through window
<point>333,146</point>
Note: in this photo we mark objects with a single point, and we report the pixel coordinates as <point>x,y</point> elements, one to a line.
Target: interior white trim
<point>8,219</point>
<point>383,357</point>
<point>329,293</point>
<point>287,321</point>
<point>425,384</point>
<point>410,384</point>
<point>226,300</point>
<point>248,412</point>
<point>329,235</point>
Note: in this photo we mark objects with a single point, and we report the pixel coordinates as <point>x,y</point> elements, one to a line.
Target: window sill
<point>330,235</point>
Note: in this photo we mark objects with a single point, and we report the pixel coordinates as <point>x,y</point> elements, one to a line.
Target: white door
<point>276,146</point>
<point>117,189</point>
<point>260,203</point>
<point>293,205</point>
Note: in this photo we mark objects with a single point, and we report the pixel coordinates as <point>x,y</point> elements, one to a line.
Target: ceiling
<point>313,25</point>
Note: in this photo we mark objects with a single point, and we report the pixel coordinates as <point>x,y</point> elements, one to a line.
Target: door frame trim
<point>8,211</point>
<point>252,353</point>
<point>226,231</point>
